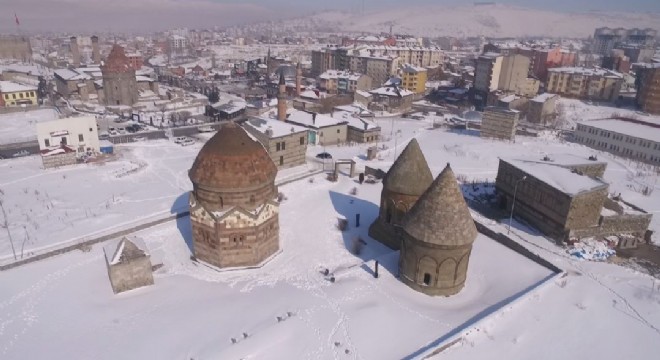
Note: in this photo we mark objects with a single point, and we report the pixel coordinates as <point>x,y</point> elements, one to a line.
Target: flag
<point>18,23</point>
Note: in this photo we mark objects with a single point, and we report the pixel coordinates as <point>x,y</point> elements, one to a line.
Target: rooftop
<point>634,129</point>
<point>9,87</point>
<point>274,128</point>
<point>390,91</point>
<point>587,71</point>
<point>556,176</point>
<point>312,120</point>
<point>543,97</point>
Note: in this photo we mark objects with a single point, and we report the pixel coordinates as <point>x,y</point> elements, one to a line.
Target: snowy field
<point>599,310</point>
<point>21,126</point>
<point>208,308</point>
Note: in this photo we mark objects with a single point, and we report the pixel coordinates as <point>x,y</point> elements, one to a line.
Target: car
<point>121,130</point>
<point>180,139</point>
<point>103,135</point>
<point>113,132</point>
<point>204,129</point>
<point>21,153</point>
<point>187,142</point>
<point>323,155</point>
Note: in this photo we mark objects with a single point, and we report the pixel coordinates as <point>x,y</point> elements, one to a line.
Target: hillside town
<point>293,190</point>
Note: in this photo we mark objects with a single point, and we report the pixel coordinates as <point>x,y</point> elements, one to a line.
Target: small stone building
<point>233,206</point>
<point>119,82</point>
<point>286,143</point>
<point>129,265</point>
<point>542,109</point>
<point>404,183</point>
<point>436,239</point>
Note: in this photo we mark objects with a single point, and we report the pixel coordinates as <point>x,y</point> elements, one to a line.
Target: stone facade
<point>436,239</point>
<point>119,82</point>
<point>129,267</point>
<point>499,123</point>
<point>15,47</point>
<point>286,143</point>
<point>233,207</point>
<point>404,183</point>
<point>542,109</point>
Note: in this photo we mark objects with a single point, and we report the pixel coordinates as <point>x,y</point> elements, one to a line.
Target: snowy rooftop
<point>628,128</point>
<point>355,121</point>
<point>565,159</point>
<point>557,177</point>
<point>9,87</point>
<point>275,127</point>
<point>390,91</point>
<point>114,249</point>
<point>69,75</point>
<point>509,98</point>
<point>543,97</point>
<point>337,74</point>
<point>307,119</point>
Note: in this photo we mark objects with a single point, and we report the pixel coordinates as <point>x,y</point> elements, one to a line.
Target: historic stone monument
<point>119,83</point>
<point>436,239</point>
<point>233,206</point>
<point>128,264</point>
<point>404,183</point>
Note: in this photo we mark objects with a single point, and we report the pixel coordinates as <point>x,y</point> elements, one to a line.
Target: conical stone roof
<point>441,216</point>
<point>117,61</point>
<point>410,174</point>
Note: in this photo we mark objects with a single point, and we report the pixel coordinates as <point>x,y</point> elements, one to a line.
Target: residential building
<point>648,87</point>
<point>177,45</point>
<point>323,129</point>
<point>286,143</point>
<point>617,61</point>
<point>414,79</point>
<point>136,60</point>
<point>638,54</point>
<point>379,69</point>
<point>79,133</point>
<point>342,82</point>
<point>499,123</point>
<point>629,138</point>
<point>544,59</point>
<point>585,83</point>
<point>606,39</point>
<point>542,109</point>
<point>360,129</point>
<point>564,197</point>
<point>13,94</point>
<point>392,99</point>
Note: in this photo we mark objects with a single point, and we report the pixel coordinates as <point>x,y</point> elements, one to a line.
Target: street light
<point>515,190</point>
<point>396,140</point>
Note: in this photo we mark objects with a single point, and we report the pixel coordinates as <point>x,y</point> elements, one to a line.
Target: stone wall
<point>393,207</point>
<point>433,269</point>
<point>130,275</point>
<point>52,161</point>
<point>585,209</point>
<point>120,89</point>
<point>631,224</point>
<point>294,151</point>
<point>249,198</point>
<point>363,136</point>
<point>499,124</point>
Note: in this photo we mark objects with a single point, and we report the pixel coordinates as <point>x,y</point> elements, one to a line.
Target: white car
<point>180,139</point>
<point>187,142</point>
<point>204,129</point>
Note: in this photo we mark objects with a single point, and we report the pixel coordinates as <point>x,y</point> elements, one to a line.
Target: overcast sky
<point>146,15</point>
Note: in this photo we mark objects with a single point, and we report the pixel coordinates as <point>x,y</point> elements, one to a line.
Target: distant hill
<point>484,20</point>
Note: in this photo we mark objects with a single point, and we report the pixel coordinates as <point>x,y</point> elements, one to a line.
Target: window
<point>80,137</point>
<point>32,93</point>
<point>63,142</point>
<point>277,147</point>
<point>427,279</point>
<point>302,140</point>
<point>283,145</point>
<point>20,95</point>
<point>47,142</point>
<point>13,96</point>
<point>281,160</point>
<point>338,131</point>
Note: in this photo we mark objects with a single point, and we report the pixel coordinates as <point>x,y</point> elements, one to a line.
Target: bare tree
<point>5,224</point>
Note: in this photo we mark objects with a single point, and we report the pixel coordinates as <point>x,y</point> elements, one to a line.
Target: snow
<point>543,97</point>
<point>587,71</point>
<point>307,119</point>
<point>561,319</point>
<point>10,87</point>
<point>629,128</point>
<point>390,92</point>
<point>21,126</point>
<point>277,128</point>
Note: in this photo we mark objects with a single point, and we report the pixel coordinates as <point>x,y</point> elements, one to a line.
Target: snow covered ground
<point>572,111</point>
<point>21,126</point>
<point>193,311</point>
<point>599,310</point>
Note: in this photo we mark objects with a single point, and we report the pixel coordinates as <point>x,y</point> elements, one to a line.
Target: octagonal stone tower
<point>233,206</point>
<point>403,184</point>
<point>436,239</point>
<point>119,83</point>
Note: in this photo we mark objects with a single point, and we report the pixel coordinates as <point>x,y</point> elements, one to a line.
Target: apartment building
<point>414,79</point>
<point>342,82</point>
<point>627,138</point>
<point>606,39</point>
<point>585,83</point>
<point>545,59</point>
<point>648,88</point>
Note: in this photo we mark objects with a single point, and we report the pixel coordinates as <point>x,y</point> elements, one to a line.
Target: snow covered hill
<point>491,21</point>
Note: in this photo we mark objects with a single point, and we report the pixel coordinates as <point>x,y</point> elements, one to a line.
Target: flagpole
<point>18,25</point>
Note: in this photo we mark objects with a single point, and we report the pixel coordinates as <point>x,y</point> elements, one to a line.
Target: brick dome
<point>233,169</point>
<point>117,62</point>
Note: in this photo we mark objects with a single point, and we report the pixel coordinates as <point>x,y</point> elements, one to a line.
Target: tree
<point>214,97</point>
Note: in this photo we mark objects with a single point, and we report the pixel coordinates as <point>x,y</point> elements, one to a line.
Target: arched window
<point>427,279</point>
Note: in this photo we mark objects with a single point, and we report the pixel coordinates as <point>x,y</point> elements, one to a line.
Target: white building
<point>626,138</point>
<point>79,133</point>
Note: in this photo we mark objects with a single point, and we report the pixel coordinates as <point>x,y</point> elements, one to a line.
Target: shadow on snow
<point>180,208</point>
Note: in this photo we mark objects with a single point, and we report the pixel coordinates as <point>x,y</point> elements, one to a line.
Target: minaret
<point>281,99</point>
<point>268,65</point>
<point>96,53</point>
<point>298,79</point>
<point>75,51</point>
